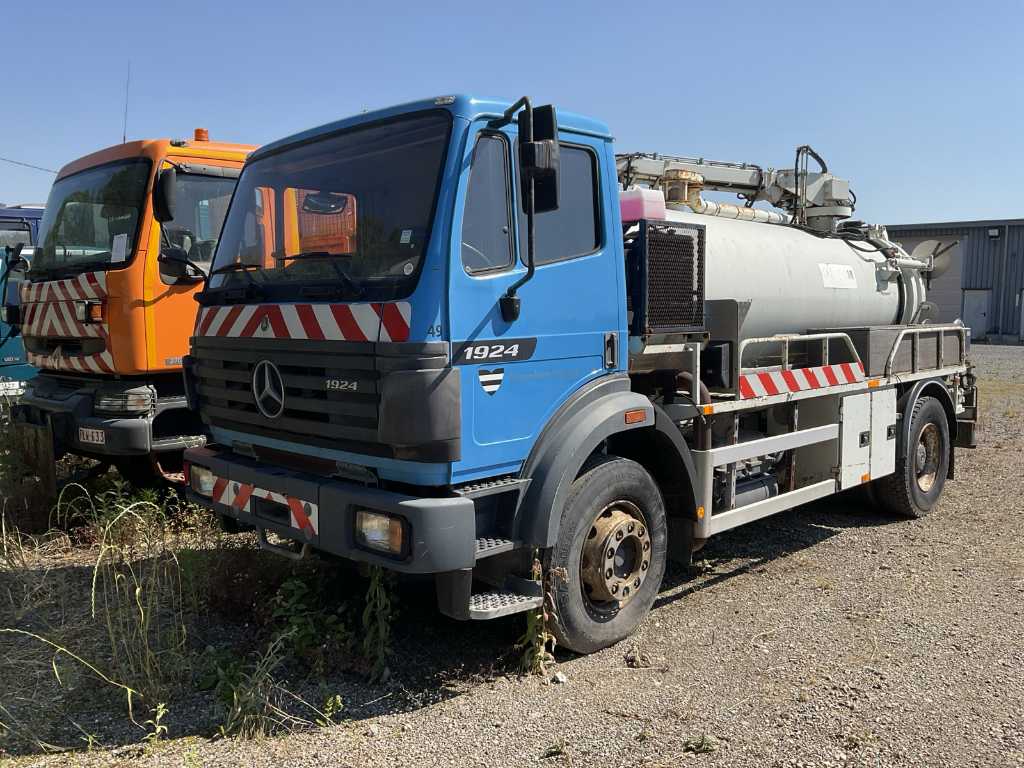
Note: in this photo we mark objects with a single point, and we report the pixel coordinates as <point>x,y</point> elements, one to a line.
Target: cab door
<point>514,375</point>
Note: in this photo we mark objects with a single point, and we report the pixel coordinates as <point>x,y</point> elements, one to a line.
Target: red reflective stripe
<point>347,323</point>
<point>791,382</point>
<point>208,315</point>
<point>745,389</point>
<point>768,383</point>
<point>830,375</point>
<point>295,505</point>
<point>277,323</point>
<point>254,322</point>
<point>229,320</point>
<point>242,497</point>
<point>812,379</point>
<point>102,364</point>
<point>851,377</point>
<point>95,285</point>
<point>218,487</point>
<point>309,323</point>
<point>393,321</point>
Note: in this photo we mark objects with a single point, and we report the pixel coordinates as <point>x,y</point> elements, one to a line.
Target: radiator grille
<point>668,279</point>
<point>312,412</point>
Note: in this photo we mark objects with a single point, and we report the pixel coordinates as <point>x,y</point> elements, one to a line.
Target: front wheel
<point>914,488</point>
<point>610,557</point>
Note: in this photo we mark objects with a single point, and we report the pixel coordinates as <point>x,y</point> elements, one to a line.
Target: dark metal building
<point>984,284</point>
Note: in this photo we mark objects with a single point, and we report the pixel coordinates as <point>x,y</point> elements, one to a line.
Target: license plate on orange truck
<point>92,436</point>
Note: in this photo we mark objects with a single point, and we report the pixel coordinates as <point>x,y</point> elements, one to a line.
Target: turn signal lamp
<point>201,480</point>
<point>88,312</point>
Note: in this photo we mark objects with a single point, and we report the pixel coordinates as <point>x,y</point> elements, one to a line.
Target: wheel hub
<point>926,457</point>
<point>617,554</point>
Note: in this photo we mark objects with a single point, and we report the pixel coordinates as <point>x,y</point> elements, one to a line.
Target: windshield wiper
<point>236,266</point>
<point>332,258</point>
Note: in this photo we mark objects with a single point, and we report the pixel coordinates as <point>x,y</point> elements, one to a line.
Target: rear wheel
<point>610,557</point>
<point>139,471</point>
<point>916,485</point>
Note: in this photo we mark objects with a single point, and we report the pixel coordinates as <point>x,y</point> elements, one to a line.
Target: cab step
<point>491,605</point>
<point>489,487</point>
<point>488,546</point>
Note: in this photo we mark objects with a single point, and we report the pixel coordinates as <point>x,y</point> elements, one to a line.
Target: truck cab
<point>103,320</point>
<point>429,342</point>
<point>19,226</point>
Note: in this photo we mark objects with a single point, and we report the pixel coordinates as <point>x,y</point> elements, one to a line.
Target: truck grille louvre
<point>224,379</point>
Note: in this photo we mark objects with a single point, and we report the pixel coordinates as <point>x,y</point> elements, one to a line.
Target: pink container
<point>639,204</point>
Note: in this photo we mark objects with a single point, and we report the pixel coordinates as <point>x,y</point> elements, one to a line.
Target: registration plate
<point>92,436</point>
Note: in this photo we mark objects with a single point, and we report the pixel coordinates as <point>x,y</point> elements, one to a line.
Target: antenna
<point>127,82</point>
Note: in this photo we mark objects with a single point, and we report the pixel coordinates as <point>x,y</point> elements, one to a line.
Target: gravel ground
<point>830,635</point>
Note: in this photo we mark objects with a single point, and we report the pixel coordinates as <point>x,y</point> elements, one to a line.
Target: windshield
<point>351,210</point>
<point>200,205</point>
<point>92,218</point>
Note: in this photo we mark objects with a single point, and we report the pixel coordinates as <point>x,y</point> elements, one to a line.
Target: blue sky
<point>919,104</point>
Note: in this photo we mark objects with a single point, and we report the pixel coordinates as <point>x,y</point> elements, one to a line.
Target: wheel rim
<point>616,555</point>
<point>926,457</point>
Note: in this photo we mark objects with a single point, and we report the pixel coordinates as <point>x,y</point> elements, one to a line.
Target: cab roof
<point>154,148</point>
<point>464,106</point>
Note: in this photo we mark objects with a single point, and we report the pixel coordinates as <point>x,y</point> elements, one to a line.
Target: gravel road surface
<point>831,635</point>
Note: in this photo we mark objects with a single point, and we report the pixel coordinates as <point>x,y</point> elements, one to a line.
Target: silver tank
<point>796,281</point>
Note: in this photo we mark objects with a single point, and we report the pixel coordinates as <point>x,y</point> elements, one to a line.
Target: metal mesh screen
<point>675,278</point>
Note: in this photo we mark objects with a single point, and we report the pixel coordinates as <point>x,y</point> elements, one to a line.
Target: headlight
<point>140,401</point>
<point>201,480</point>
<point>380,532</point>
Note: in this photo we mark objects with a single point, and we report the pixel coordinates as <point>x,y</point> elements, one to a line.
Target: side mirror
<point>21,259</point>
<point>163,195</point>
<point>538,156</point>
<point>176,267</point>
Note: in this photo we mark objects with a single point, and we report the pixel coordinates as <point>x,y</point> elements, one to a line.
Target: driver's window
<point>201,203</point>
<point>486,224</point>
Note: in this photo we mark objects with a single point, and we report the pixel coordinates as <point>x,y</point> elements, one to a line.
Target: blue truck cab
<point>19,225</point>
<point>388,400</point>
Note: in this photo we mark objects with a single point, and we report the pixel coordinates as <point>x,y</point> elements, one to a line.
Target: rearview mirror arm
<point>510,303</point>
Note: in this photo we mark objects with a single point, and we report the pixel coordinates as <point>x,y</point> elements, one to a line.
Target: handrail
<point>915,333</point>
<point>786,339</point>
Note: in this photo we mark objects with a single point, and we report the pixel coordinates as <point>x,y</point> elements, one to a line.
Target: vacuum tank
<point>800,267</point>
<point>796,280</point>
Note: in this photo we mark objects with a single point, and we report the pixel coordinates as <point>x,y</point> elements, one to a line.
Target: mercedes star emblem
<point>268,389</point>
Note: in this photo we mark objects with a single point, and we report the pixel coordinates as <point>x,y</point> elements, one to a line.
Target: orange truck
<point>105,318</point>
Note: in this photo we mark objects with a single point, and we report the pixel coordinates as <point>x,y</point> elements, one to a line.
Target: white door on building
<point>976,311</point>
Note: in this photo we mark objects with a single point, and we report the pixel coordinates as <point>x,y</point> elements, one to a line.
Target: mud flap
<point>35,473</point>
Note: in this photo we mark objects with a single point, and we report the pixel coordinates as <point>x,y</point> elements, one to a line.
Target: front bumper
<point>70,415</point>
<point>321,512</point>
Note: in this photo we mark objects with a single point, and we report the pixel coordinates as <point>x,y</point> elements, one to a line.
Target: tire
<point>608,494</point>
<point>916,485</point>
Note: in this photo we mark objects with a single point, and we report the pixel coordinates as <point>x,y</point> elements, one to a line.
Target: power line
<point>27,165</point>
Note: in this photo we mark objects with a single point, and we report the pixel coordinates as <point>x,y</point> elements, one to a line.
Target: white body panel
<point>854,453</point>
<point>794,280</point>
<point>883,448</point>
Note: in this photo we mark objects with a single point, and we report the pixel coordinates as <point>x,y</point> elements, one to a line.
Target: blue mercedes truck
<point>464,338</point>
<point>19,225</point>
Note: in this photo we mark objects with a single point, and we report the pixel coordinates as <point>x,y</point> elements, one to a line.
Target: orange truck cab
<point>103,320</point>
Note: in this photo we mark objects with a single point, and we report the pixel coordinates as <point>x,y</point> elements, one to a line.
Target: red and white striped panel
<point>315,322</point>
<point>48,311</point>
<point>101,363</point>
<point>304,514</point>
<point>48,308</point>
<point>88,285</point>
<point>768,383</point>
